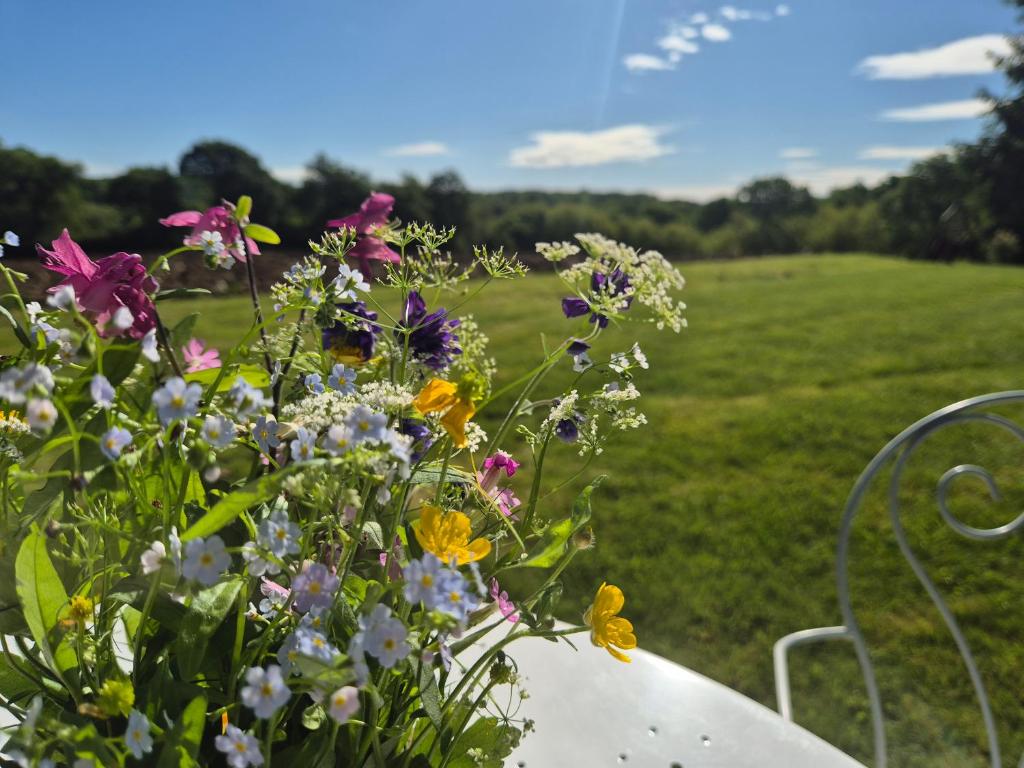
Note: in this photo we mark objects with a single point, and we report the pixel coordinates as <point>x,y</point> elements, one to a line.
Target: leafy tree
<point>215,170</point>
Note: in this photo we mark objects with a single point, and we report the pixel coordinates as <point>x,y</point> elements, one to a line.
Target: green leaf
<point>181,744</point>
<point>313,717</point>
<point>430,696</point>
<point>181,293</point>
<point>202,618</point>
<point>243,207</point>
<point>182,332</point>
<point>556,537</point>
<point>235,503</point>
<point>256,375</point>
<point>133,590</point>
<point>431,474</point>
<point>491,737</point>
<point>18,331</point>
<point>42,597</point>
<point>262,234</point>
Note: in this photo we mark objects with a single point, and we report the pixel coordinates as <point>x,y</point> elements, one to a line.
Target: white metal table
<point>591,711</point>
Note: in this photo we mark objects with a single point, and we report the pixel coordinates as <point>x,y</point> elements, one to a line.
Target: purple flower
<point>114,441</point>
<point>105,286</point>
<point>577,350</point>
<point>431,339</point>
<point>216,220</point>
<point>372,214</point>
<point>421,436</point>
<point>352,339</point>
<point>615,283</point>
<point>314,588</point>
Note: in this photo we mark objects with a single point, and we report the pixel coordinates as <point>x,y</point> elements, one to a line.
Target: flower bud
<point>584,538</point>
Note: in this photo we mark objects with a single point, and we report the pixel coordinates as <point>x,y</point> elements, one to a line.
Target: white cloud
<point>560,149</point>
<point>822,180</point>
<point>782,10</point>
<point>698,193</point>
<point>716,33</point>
<point>969,56</point>
<point>798,153</point>
<point>732,13</point>
<point>675,42</point>
<point>419,149</point>
<point>688,32</point>
<point>899,153</point>
<point>645,62</point>
<point>102,170</point>
<point>291,174</point>
<point>699,18</point>
<point>947,110</point>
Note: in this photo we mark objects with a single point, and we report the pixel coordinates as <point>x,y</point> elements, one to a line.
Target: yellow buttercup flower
<point>608,630</point>
<point>80,609</point>
<point>439,395</point>
<point>447,535</point>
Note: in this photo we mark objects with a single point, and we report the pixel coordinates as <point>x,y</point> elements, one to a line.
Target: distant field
<point>719,519</point>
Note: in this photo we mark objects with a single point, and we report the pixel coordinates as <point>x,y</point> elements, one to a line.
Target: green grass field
<point>719,519</point>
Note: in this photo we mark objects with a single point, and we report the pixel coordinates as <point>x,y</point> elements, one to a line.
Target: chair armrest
<point>779,655</point>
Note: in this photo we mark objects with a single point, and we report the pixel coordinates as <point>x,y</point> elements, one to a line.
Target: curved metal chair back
<point>897,453</point>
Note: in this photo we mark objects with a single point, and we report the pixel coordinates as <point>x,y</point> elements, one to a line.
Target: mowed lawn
<point>719,519</point>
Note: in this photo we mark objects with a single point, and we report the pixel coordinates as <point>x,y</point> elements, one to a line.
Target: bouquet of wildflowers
<point>296,551</point>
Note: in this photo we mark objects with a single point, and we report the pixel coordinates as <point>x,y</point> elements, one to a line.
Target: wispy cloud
<point>798,153</point>
<point>645,62</point>
<point>900,153</point>
<point>732,13</point>
<point>419,149</point>
<point>969,56</point>
<point>622,144</point>
<point>823,179</point>
<point>290,174</point>
<point>946,110</point>
<point>682,37</point>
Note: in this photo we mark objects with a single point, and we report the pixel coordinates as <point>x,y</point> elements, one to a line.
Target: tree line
<point>965,204</point>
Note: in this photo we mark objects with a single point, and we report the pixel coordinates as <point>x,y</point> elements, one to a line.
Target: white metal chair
<point>896,454</point>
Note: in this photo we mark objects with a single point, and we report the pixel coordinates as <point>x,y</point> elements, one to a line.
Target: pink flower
<point>103,287</point>
<point>372,214</point>
<point>198,357</point>
<point>493,466</point>
<point>217,220</point>
<point>505,606</point>
<point>506,500</point>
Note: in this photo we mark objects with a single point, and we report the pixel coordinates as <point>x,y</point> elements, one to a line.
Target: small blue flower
<point>314,383</point>
<point>364,424</point>
<point>205,560</point>
<point>136,735</point>
<point>303,444</point>
<point>101,391</point>
<point>114,441</point>
<point>218,431</point>
<point>314,645</point>
<point>314,588</point>
<point>246,397</point>
<point>421,580</point>
<point>11,239</point>
<point>265,691</point>
<point>342,379</point>
<point>177,400</point>
<point>265,433</point>
<point>279,534</point>
<point>454,596</point>
<point>338,440</point>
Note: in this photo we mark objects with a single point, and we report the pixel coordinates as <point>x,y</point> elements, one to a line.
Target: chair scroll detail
<point>896,453</point>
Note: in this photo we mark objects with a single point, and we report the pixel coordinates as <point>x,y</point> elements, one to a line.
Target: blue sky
<point>678,97</point>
